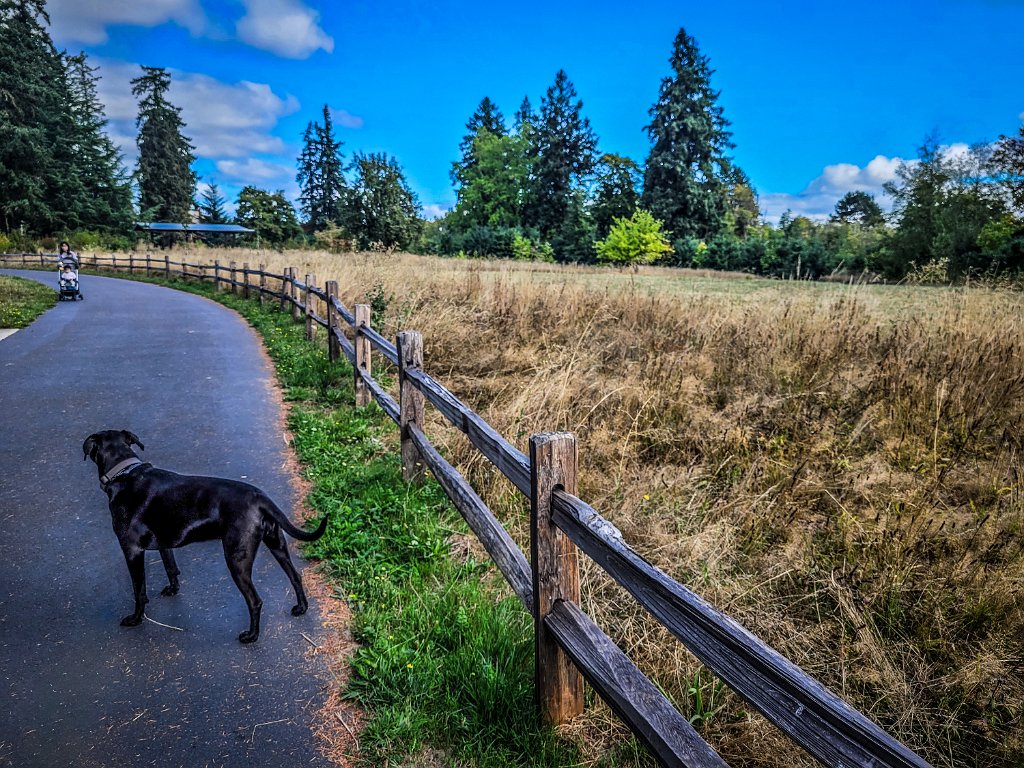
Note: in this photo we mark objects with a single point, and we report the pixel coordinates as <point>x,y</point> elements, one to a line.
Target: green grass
<point>446,653</point>
<point>22,301</point>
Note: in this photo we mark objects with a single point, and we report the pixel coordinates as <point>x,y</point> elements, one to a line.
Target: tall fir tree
<point>563,156</point>
<point>381,209</point>
<point>108,196</point>
<point>40,188</point>
<point>487,118</point>
<point>211,205</point>
<point>321,174</point>
<point>687,171</point>
<point>164,173</point>
<point>617,196</point>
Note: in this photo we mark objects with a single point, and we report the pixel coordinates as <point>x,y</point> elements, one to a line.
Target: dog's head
<point>109,447</point>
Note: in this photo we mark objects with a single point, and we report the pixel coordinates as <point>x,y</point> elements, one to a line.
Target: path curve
<point>189,378</point>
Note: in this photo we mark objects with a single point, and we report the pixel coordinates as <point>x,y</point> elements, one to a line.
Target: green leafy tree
<point>617,196</point>
<point>1008,165</point>
<point>41,189</point>
<point>858,208</point>
<point>563,157</point>
<point>164,173</point>
<point>494,183</point>
<point>321,174</point>
<point>270,214</point>
<point>687,171</point>
<point>486,120</point>
<point>742,208</point>
<point>636,240</point>
<point>942,203</point>
<point>381,209</point>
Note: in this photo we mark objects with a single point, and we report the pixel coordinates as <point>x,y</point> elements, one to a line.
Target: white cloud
<point>87,21</point>
<point>253,170</point>
<point>819,198</point>
<point>346,119</point>
<point>284,27</point>
<point>222,120</point>
<point>434,211</point>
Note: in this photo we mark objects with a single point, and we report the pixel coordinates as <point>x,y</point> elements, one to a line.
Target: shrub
<point>636,240</point>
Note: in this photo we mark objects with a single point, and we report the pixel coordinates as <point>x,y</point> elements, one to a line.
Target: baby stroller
<point>67,279</point>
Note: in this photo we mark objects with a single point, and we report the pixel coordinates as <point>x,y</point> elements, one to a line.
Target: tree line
<point>537,186</point>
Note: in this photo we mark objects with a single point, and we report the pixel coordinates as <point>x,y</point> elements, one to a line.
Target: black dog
<point>155,509</point>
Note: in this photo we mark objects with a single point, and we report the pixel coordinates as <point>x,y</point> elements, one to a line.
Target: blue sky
<point>823,97</point>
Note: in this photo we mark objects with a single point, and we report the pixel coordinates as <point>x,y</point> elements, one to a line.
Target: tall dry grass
<point>836,467</point>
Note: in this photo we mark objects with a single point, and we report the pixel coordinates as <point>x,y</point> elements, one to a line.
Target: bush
<point>636,240</point>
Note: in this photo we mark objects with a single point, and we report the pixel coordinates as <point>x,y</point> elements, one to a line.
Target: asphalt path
<point>76,689</point>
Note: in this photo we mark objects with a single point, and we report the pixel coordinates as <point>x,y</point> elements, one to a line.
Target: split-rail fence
<point>569,646</point>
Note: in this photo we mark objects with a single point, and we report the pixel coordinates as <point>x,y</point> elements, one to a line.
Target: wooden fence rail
<point>568,642</point>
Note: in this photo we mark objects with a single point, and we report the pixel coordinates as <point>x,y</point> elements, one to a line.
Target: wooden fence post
<point>296,312</point>
<point>409,345</point>
<point>263,282</point>
<point>148,265</point>
<point>233,276</point>
<point>131,262</point>
<point>555,565</point>
<point>216,275</point>
<point>284,288</point>
<point>310,325</point>
<point>245,278</point>
<point>167,266</point>
<point>362,350</point>
<point>331,289</point>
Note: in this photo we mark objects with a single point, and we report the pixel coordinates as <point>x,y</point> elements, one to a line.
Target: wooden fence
<point>569,646</point>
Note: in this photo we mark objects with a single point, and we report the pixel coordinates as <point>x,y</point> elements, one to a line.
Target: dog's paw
<point>248,637</point>
<point>298,610</point>
<point>131,621</point>
<point>169,591</point>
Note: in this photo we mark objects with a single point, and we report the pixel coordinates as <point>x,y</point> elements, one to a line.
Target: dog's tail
<point>270,509</point>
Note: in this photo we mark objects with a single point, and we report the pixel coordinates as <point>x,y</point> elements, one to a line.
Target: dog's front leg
<point>167,555</point>
<point>137,569</point>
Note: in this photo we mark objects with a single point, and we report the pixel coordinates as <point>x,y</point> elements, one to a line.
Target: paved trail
<point>77,689</point>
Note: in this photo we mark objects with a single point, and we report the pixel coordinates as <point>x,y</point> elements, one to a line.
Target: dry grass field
<point>836,467</point>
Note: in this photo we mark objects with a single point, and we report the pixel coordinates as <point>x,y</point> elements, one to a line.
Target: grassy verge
<point>445,664</point>
<point>22,301</point>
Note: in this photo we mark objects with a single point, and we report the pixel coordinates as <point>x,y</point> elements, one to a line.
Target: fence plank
<point>384,400</point>
<point>496,540</point>
<point>310,326</point>
<point>386,347</point>
<point>815,718</point>
<point>510,461</point>
<point>634,698</point>
<point>555,565</point>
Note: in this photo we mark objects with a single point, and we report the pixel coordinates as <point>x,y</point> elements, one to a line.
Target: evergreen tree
<point>618,179</point>
<point>381,208</point>
<point>107,191</point>
<point>563,152</point>
<point>1008,166</point>
<point>493,184</point>
<point>40,188</point>
<point>320,175</point>
<point>164,174</point>
<point>487,118</point>
<point>211,206</point>
<point>742,208</point>
<point>858,207</point>
<point>270,214</point>
<point>685,183</point>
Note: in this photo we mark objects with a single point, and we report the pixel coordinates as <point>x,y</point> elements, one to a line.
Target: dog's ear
<point>132,439</point>
<point>89,447</point>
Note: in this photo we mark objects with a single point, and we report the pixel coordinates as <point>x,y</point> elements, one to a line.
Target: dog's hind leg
<point>167,555</point>
<point>136,560</point>
<point>278,546</point>
<point>240,555</point>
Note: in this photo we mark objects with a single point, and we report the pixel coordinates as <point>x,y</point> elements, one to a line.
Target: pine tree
<point>320,175</point>
<point>40,189</point>
<point>617,196</point>
<point>685,182</point>
<point>164,174</point>
<point>381,208</point>
<point>487,118</point>
<point>211,206</point>
<point>107,191</point>
<point>564,147</point>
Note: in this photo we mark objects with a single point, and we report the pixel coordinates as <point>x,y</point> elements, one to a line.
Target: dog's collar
<point>121,468</point>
